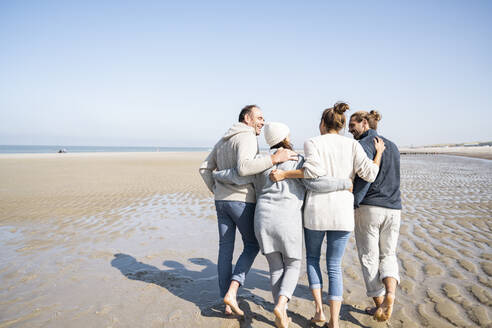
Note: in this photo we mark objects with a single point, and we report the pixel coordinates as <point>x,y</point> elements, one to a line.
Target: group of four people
<point>274,200</point>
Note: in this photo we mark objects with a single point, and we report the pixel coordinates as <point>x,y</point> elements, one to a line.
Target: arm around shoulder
<point>313,166</point>
<point>230,176</point>
<point>247,161</point>
<point>327,184</point>
<point>364,167</point>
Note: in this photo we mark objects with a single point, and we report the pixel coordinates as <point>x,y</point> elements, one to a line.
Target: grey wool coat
<point>278,214</point>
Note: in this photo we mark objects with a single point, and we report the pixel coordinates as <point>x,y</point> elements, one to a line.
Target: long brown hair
<point>334,118</point>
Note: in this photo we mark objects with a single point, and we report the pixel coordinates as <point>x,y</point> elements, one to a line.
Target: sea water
<point>33,149</point>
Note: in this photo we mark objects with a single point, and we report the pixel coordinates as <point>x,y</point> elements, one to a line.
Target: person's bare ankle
<point>383,313</point>
<point>332,324</point>
<point>228,310</point>
<point>319,316</point>
<point>230,300</point>
<point>281,318</point>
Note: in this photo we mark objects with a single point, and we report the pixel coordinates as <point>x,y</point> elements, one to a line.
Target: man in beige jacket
<point>235,204</point>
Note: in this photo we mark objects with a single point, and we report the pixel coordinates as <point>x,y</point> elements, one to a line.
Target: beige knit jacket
<point>236,149</point>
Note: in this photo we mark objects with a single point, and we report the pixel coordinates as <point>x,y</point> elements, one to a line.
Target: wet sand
<point>484,152</point>
<point>120,240</point>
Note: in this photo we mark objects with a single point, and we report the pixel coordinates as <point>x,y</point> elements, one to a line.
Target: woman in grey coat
<point>278,217</point>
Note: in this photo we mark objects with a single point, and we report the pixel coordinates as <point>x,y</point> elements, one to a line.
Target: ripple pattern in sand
<point>445,240</point>
<point>59,274</point>
<point>116,252</point>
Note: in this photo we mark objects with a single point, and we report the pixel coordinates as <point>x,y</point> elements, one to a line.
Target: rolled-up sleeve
<point>364,166</point>
<point>313,167</point>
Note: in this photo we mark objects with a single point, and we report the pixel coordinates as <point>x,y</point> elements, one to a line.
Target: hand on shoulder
<point>284,155</point>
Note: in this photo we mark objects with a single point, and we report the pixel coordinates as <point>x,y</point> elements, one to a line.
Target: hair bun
<point>375,115</point>
<point>340,107</point>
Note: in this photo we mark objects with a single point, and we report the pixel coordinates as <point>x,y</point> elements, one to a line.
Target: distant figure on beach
<point>235,204</point>
<point>62,150</point>
<point>278,216</point>
<point>377,217</point>
<point>330,214</point>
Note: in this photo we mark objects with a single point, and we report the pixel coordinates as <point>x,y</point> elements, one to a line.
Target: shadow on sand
<point>200,288</point>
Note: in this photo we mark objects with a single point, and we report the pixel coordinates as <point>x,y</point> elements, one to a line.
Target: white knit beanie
<point>275,132</point>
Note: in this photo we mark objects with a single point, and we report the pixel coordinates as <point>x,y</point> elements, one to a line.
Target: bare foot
<point>281,318</point>
<point>330,324</point>
<point>318,317</point>
<point>383,313</point>
<point>371,310</point>
<point>228,310</point>
<point>230,300</point>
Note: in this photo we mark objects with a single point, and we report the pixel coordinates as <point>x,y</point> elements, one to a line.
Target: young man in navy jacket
<point>377,217</point>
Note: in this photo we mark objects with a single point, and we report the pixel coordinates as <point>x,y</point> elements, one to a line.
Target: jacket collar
<point>369,133</point>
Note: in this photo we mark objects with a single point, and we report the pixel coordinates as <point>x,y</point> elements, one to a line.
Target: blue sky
<point>157,73</point>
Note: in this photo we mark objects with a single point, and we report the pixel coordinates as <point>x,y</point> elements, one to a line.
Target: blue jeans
<point>336,241</point>
<point>232,214</point>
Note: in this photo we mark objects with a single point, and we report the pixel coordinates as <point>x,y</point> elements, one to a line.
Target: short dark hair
<point>245,111</point>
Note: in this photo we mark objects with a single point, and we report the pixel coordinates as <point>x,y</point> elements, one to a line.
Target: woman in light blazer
<point>330,214</point>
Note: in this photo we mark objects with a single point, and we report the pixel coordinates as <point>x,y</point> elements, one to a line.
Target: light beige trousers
<point>376,234</point>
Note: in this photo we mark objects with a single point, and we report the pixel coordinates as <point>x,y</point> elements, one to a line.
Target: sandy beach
<point>130,240</point>
<point>484,152</point>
